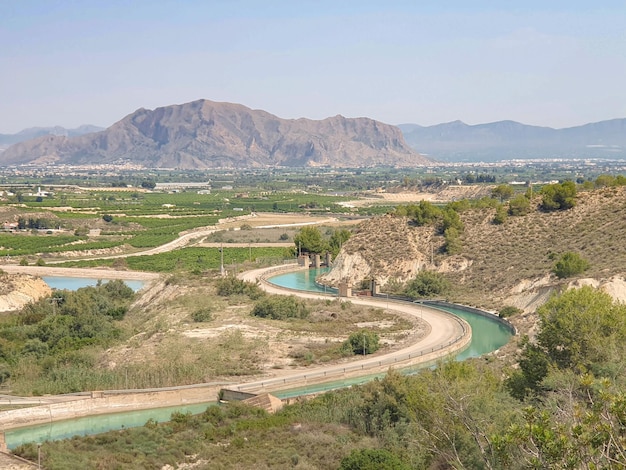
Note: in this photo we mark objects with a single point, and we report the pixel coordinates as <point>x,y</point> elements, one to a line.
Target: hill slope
<point>503,140</point>
<point>206,134</point>
<point>499,264</point>
<point>7,140</point>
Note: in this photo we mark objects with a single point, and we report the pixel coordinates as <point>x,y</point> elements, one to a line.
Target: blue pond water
<point>75,283</point>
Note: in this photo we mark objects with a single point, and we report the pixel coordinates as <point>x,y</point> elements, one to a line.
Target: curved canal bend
<point>488,335</point>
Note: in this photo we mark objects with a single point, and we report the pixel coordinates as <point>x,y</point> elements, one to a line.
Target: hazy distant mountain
<point>206,134</point>
<point>7,140</point>
<point>505,140</point>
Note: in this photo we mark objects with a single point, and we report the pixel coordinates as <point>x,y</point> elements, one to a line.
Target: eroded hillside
<point>499,264</point>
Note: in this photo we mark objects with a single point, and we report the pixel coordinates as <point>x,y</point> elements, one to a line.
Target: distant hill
<point>506,140</point>
<point>6,140</point>
<point>206,134</point>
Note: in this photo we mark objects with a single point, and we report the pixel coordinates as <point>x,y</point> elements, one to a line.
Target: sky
<point>547,63</point>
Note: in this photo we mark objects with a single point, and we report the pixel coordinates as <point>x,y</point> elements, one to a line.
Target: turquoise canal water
<point>95,424</point>
<point>488,334</point>
<point>75,283</point>
<point>302,280</point>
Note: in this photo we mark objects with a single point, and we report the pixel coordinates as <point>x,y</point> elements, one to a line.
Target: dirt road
<point>448,334</point>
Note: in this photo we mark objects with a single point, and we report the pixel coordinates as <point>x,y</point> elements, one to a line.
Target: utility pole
<point>222,259</point>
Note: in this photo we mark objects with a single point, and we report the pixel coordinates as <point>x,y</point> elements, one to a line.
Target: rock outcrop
<point>205,134</point>
<point>17,290</point>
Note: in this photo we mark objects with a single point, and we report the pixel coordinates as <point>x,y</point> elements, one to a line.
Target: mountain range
<point>206,134</point>
<point>6,140</point>
<point>506,140</point>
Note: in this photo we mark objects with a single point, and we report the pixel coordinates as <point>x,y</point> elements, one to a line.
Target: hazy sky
<point>553,63</point>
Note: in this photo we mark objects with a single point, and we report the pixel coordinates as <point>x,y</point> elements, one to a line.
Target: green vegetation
<point>363,342</point>
<point>47,347</point>
<point>459,415</point>
<point>194,260</point>
<point>427,284</point>
<point>502,192</point>
<point>509,311</point>
<point>311,240</point>
<point>280,307</point>
<point>230,285</point>
<point>558,196</point>
<point>570,264</point>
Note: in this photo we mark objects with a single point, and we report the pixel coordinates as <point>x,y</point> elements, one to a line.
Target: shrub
<point>284,236</point>
<point>279,307</point>
<point>230,285</point>
<point>519,205</point>
<point>372,459</point>
<point>501,215</point>
<point>107,218</point>
<point>363,342</point>
<point>570,264</point>
<point>508,311</point>
<point>427,284</point>
<point>24,262</point>
<point>558,196</point>
<point>40,262</point>
<point>202,315</point>
<point>453,243</point>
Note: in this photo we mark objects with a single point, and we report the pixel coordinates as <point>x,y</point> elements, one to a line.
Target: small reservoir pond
<point>75,283</point>
<point>488,334</point>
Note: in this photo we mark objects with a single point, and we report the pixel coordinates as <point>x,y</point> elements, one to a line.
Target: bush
<point>519,205</point>
<point>508,311</point>
<point>279,307</point>
<point>570,264</point>
<point>427,284</point>
<point>283,236</point>
<point>453,243</point>
<point>558,196</point>
<point>107,218</point>
<point>501,215</point>
<point>363,342</point>
<point>24,262</point>
<point>230,285</point>
<point>372,459</point>
<point>202,315</point>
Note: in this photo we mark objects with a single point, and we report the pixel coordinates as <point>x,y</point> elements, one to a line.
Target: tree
<point>427,284</point>
<point>372,459</point>
<point>558,196</point>
<point>501,215</point>
<point>453,243</point>
<point>570,264</point>
<point>423,213</point>
<point>450,218</point>
<point>363,342</point>
<point>337,239</point>
<point>582,327</point>
<point>519,205</point>
<point>502,192</point>
<point>310,240</point>
<point>148,184</point>
<point>107,218</point>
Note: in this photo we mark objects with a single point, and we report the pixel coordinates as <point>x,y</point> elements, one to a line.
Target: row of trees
<point>311,240</point>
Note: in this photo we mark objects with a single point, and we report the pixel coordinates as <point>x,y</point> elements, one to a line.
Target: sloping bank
<point>449,335</point>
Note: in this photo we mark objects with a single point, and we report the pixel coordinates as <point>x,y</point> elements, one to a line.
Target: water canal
<point>488,334</point>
